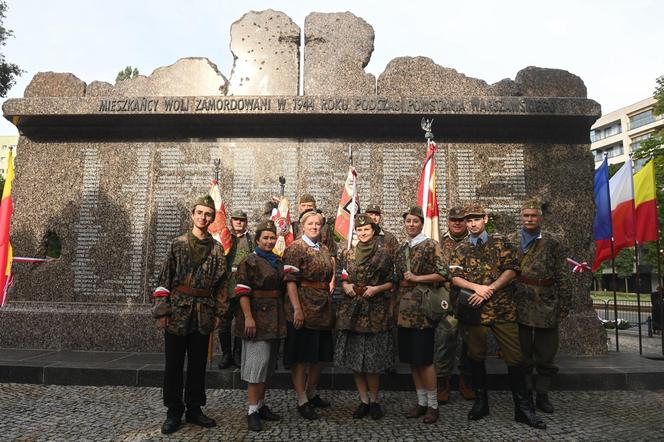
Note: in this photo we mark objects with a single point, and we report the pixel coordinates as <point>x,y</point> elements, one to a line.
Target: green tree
<point>126,74</point>
<point>8,71</point>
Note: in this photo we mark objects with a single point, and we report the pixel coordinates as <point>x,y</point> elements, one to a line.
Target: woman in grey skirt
<point>364,344</point>
<point>260,320</point>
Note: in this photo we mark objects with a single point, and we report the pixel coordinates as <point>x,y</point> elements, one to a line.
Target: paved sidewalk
<point>71,413</point>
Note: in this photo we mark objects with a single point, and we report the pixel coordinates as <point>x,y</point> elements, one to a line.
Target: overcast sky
<point>616,47</point>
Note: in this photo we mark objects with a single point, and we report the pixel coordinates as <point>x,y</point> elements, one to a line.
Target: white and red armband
<point>344,275</point>
<point>241,289</point>
<point>290,269</point>
<point>161,292</point>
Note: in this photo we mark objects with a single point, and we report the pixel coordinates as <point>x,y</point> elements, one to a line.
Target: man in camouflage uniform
<point>483,266</point>
<point>242,245</point>
<point>543,298</point>
<point>390,242</point>
<point>189,303</point>
<point>448,340</point>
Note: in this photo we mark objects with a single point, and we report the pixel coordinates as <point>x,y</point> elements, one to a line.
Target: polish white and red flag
<point>426,194</point>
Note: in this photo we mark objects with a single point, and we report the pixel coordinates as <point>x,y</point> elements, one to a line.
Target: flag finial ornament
<point>426,127</point>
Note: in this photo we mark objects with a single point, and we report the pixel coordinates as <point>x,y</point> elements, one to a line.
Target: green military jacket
<point>483,265</point>
<point>425,258</point>
<point>543,290</point>
<point>366,315</point>
<point>187,313</point>
<point>314,266</point>
<point>257,274</point>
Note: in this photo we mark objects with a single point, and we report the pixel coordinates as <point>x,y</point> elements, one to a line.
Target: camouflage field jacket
<point>187,313</point>
<point>256,273</point>
<point>366,315</point>
<point>543,292</point>
<point>390,242</point>
<point>425,258</point>
<point>483,265</point>
<point>315,266</point>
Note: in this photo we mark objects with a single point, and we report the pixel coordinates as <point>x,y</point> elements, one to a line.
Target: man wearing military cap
<point>449,344</point>
<point>190,301</point>
<point>388,239</point>
<point>543,299</point>
<point>484,266</point>
<point>242,244</point>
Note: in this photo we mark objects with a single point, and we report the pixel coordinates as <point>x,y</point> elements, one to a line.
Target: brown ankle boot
<point>444,391</point>
<point>465,391</point>
<point>430,416</point>
<point>416,411</point>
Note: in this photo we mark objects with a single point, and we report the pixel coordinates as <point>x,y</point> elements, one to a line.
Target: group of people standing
<point>514,287</point>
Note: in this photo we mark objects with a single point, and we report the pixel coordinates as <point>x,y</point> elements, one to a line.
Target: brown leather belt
<point>536,282</point>
<point>267,293</point>
<point>315,284</point>
<point>203,293</point>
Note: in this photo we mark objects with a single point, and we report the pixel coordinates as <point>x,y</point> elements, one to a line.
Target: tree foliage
<point>126,74</point>
<point>8,71</point>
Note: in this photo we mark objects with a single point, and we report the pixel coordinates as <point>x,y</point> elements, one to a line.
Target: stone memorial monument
<point>110,170</point>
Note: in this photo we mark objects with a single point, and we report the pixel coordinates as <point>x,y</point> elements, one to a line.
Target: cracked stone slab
<point>338,46</point>
<point>266,52</point>
<point>546,82</point>
<point>186,77</point>
<point>55,84</point>
<point>413,76</point>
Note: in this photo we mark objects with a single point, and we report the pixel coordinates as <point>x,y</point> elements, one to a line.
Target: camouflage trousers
<point>507,336</point>
<point>539,347</point>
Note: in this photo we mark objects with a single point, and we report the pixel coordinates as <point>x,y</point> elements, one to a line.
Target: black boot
<point>225,344</point>
<point>173,422</point>
<point>194,415</point>
<point>237,351</point>
<point>542,397</point>
<point>523,407</point>
<point>481,405</point>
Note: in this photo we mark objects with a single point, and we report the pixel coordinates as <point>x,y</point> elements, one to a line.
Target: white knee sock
<point>253,409</point>
<point>432,399</point>
<point>422,397</point>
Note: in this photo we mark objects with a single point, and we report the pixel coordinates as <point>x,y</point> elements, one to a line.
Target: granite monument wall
<point>112,169</point>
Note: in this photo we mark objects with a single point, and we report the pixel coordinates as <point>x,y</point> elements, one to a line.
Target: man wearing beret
<point>390,242</point>
<point>448,340</point>
<point>190,301</point>
<point>543,298</point>
<point>241,246</point>
<point>483,266</point>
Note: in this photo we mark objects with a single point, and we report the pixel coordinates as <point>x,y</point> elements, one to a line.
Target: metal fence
<point>629,311</point>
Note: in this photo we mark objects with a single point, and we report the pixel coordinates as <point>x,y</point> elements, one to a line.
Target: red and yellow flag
<point>645,201</point>
<point>344,224</point>
<point>6,210</point>
<point>219,227</point>
<point>426,194</point>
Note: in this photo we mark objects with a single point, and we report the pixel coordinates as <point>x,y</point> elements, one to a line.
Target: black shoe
<point>376,411</point>
<point>543,404</point>
<point>226,361</point>
<point>195,416</point>
<point>171,424</point>
<point>307,411</point>
<point>254,422</point>
<point>316,401</point>
<point>361,411</point>
<point>480,406</point>
<point>267,415</point>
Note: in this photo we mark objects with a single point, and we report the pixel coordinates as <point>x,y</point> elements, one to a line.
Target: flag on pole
<point>426,193</point>
<point>348,207</point>
<point>282,220</point>
<point>602,224</point>
<point>219,227</point>
<point>6,210</point>
<point>645,200</point>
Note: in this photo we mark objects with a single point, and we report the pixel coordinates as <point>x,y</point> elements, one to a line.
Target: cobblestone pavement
<point>38,412</point>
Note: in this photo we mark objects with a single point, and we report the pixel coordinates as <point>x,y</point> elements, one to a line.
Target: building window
<point>605,131</point>
<point>641,119</point>
<point>636,141</point>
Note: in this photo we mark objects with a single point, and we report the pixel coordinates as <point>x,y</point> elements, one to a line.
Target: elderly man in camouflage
<point>485,265</point>
<point>543,298</point>
<point>189,303</point>
<point>447,336</point>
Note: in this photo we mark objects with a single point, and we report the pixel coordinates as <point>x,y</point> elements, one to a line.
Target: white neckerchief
<point>310,243</point>
<point>418,239</point>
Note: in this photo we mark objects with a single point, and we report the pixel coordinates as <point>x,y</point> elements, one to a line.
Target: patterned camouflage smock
<point>425,258</point>
<point>314,265</point>
<point>483,265</point>
<point>366,315</point>
<point>390,242</point>
<point>188,314</point>
<point>257,273</point>
<point>546,298</point>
